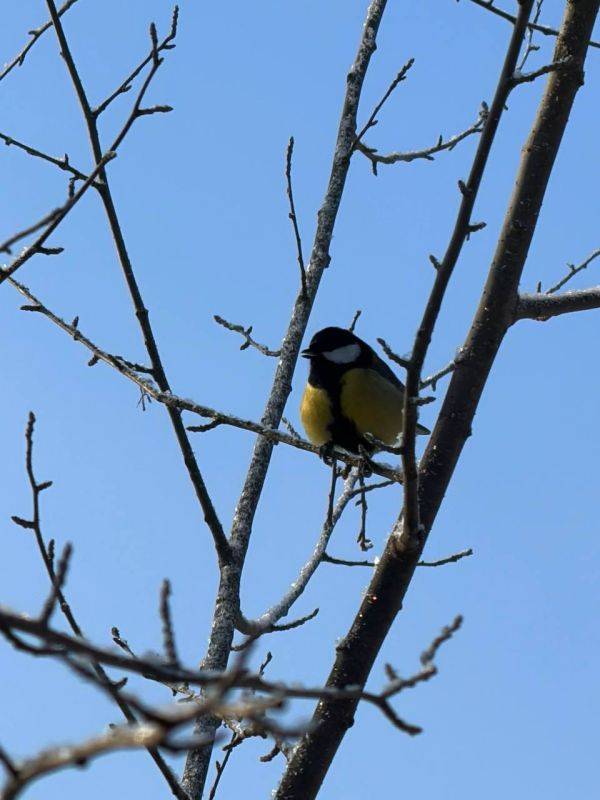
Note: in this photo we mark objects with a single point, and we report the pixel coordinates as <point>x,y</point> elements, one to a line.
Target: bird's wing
<point>386,372</point>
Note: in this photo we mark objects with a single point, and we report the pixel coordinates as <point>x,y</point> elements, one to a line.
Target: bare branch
<point>527,77</point>
<point>62,163</point>
<point>402,362</point>
<point>448,560</point>
<point>542,307</point>
<point>167,624</point>
<point>36,247</point>
<point>210,515</point>
<point>383,599</point>
<point>545,29</point>
<point>530,46</point>
<point>401,76</point>
<point>292,214</point>
<point>6,246</point>
<point>245,332</point>
<point>432,380</point>
<point>35,34</point>
<point>130,371</point>
<point>267,621</point>
<point>62,645</point>
<point>355,320</point>
<point>345,563</point>
<point>125,86</point>
<point>573,270</point>
<point>57,578</point>
<point>426,153</point>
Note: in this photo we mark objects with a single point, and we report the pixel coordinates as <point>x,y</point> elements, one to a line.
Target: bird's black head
<point>337,347</point>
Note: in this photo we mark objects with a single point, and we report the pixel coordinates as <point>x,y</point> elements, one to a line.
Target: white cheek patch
<point>343,355</point>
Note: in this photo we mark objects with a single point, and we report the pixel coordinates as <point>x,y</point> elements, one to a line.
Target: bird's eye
<point>343,355</point>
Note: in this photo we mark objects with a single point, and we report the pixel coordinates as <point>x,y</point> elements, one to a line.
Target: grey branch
<point>401,76</point>
<point>35,34</point>
<point>131,370</point>
<point>62,163</point>
<point>249,341</point>
<point>6,246</point>
<point>292,213</point>
<point>64,647</point>
<point>426,153</point>
<point>527,77</point>
<point>166,44</point>
<point>228,594</point>
<point>38,244</point>
<point>266,622</point>
<point>573,270</point>
<point>499,12</point>
<point>542,307</point>
<point>448,560</point>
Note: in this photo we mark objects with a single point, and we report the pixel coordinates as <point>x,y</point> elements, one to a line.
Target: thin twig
<point>37,245</point>
<point>210,515</point>
<point>62,163</point>
<point>327,559</point>
<point>167,624</point>
<point>530,46</point>
<point>372,119</point>
<point>35,34</point>
<point>355,320</point>
<point>267,621</point>
<point>56,581</point>
<point>426,153</point>
<point>125,86</point>
<point>292,214</point>
<point>528,77</point>
<point>130,371</point>
<point>6,246</point>
<point>448,560</point>
<point>545,29</point>
<point>573,270</point>
<point>245,332</point>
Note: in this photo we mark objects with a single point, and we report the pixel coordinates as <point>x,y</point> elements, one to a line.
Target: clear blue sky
<point>514,710</point>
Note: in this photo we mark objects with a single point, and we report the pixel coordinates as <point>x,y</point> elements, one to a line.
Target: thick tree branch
<point>542,307</point>
<point>357,651</point>
<point>228,593</point>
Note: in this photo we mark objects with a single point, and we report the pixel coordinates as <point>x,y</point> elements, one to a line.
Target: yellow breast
<point>372,403</point>
<point>316,415</point>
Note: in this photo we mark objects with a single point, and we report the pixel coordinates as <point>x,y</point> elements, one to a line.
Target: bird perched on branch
<point>350,393</point>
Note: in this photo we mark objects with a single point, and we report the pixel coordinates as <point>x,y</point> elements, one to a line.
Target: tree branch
<point>57,218</point>
<point>228,593</point>
<point>542,307</point>
<point>426,153</point>
<point>499,12</point>
<point>35,34</point>
<point>266,622</point>
<point>141,312</point>
<point>384,596</point>
<point>391,579</point>
<point>57,578</point>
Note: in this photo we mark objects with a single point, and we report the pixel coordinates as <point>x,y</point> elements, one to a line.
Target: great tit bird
<point>350,392</point>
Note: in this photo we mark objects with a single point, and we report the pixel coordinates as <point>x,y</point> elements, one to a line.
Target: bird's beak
<point>307,353</point>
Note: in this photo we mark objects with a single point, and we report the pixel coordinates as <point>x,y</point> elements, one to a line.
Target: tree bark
<point>357,652</point>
